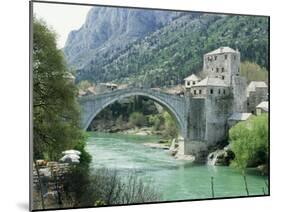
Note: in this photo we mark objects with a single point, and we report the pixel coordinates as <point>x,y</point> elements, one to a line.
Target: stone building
<point>223,63</point>
<point>262,108</point>
<point>215,98</point>
<point>191,81</point>
<point>210,87</point>
<point>257,92</point>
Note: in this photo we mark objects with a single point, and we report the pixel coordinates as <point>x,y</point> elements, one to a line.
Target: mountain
<point>159,47</point>
<point>108,29</point>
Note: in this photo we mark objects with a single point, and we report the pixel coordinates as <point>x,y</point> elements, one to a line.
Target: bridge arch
<point>93,105</point>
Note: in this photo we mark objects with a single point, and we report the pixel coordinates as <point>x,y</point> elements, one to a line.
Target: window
<point>215,57</point>
<point>200,92</point>
<point>219,91</point>
<point>212,69</point>
<point>188,83</point>
<point>211,91</point>
<point>222,77</point>
<point>193,82</point>
<point>217,69</point>
<point>194,91</point>
<point>225,57</point>
<point>222,69</point>
<point>223,91</point>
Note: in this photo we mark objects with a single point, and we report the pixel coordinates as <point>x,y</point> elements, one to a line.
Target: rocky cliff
<point>108,30</point>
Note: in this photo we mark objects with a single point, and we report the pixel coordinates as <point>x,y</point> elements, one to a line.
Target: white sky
<point>62,18</point>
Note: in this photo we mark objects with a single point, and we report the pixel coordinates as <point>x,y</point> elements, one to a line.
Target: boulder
<point>221,157</point>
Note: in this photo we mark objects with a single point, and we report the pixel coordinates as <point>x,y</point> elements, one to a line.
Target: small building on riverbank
<point>262,108</point>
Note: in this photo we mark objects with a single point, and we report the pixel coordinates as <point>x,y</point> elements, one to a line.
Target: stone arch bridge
<point>177,106</point>
<point>202,121</point>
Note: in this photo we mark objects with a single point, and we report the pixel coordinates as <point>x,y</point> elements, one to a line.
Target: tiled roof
<point>263,105</point>
<point>240,116</point>
<point>211,81</point>
<point>220,50</point>
<point>192,77</point>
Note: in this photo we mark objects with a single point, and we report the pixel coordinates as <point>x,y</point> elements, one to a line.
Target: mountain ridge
<point>170,52</point>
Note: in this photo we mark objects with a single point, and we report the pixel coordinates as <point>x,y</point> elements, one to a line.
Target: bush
<point>249,142</point>
<point>156,121</point>
<point>171,129</point>
<point>106,187</point>
<point>137,119</point>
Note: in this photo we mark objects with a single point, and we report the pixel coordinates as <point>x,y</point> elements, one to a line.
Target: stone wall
<point>218,109</point>
<point>256,97</point>
<point>196,119</point>
<point>239,90</point>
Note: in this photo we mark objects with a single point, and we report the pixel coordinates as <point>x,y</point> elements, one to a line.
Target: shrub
<point>249,142</point>
<point>137,119</point>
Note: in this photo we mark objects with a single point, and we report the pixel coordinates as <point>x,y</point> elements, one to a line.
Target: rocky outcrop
<point>220,157</point>
<point>108,29</point>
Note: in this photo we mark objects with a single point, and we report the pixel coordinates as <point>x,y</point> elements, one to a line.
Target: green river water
<point>175,180</point>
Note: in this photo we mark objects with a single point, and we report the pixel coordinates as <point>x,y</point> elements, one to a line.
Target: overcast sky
<point>62,18</point>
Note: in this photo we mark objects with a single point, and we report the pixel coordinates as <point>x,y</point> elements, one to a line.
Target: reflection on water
<point>176,180</point>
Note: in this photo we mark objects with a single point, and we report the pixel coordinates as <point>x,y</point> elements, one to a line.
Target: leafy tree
<point>249,142</point>
<point>171,129</point>
<point>55,110</point>
<point>253,72</point>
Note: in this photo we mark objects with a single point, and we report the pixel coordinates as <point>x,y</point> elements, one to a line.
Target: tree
<point>55,110</point>
<point>171,129</point>
<point>253,72</point>
<point>249,142</point>
<point>137,119</point>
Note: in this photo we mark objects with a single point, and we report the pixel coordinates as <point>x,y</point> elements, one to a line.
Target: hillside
<point>170,52</point>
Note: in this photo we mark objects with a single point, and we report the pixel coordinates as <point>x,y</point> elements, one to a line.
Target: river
<point>175,180</point>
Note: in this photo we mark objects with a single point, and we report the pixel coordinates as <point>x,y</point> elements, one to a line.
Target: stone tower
<point>223,63</point>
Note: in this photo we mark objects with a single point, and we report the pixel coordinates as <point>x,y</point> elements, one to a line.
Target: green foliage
<point>249,142</point>
<point>157,121</point>
<point>55,110</point>
<point>175,51</point>
<point>171,129</point>
<point>253,72</point>
<point>137,119</point>
<point>84,84</point>
<point>85,157</point>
